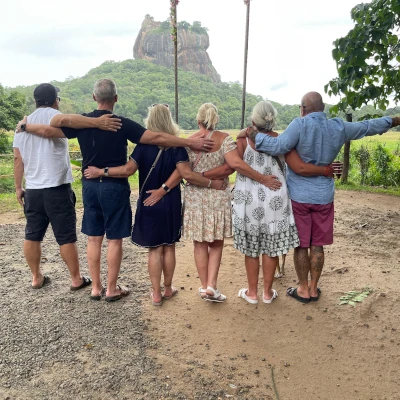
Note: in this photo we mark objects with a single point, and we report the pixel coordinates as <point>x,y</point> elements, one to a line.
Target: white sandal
<point>243,295</point>
<point>202,293</point>
<point>274,296</point>
<point>217,296</point>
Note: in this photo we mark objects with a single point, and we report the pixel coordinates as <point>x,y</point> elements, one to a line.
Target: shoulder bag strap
<point>151,169</point>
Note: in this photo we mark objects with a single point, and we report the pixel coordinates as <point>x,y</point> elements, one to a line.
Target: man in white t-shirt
<point>48,197</point>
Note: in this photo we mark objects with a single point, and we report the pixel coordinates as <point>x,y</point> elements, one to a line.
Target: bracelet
<point>209,183</point>
<point>328,170</point>
<point>165,187</point>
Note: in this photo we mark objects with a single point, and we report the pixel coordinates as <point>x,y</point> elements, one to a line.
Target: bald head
<point>312,102</point>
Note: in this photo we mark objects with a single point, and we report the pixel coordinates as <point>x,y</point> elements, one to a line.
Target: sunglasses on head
<point>157,104</point>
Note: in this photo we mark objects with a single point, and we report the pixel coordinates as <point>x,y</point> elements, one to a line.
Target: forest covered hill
<point>141,84</point>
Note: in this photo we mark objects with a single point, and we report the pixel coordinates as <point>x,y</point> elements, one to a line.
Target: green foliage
<point>12,108</point>
<point>354,297</point>
<point>141,83</point>
<point>362,155</point>
<point>5,143</point>
<point>375,164</point>
<point>6,168</point>
<point>367,57</point>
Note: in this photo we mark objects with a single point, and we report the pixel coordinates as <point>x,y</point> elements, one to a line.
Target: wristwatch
<point>106,171</point>
<point>23,127</point>
<point>165,187</point>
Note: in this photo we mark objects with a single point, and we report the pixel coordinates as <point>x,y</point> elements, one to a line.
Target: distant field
<point>390,140</point>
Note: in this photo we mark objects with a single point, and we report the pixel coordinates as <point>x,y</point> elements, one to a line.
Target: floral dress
<point>263,221</point>
<point>207,214</point>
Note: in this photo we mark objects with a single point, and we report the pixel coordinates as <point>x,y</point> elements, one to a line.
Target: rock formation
<point>154,43</point>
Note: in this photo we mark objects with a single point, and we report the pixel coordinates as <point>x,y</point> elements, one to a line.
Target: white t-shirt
<point>46,161</point>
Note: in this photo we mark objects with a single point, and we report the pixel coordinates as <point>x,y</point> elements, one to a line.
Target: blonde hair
<point>159,119</point>
<point>208,116</point>
<point>264,115</point>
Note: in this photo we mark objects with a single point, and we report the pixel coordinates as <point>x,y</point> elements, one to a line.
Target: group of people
<point>282,200</point>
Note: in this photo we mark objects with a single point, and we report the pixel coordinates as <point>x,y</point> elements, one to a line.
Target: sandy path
<point>57,345</point>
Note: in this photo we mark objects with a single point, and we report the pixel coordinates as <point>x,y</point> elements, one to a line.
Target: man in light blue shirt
<point>317,140</point>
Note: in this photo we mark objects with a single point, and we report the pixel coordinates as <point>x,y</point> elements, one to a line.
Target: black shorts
<point>54,205</point>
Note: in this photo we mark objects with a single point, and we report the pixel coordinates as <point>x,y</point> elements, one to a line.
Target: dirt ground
<point>58,345</point>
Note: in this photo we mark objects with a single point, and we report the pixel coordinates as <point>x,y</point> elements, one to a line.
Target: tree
<point>367,61</point>
<point>368,57</point>
<point>12,108</point>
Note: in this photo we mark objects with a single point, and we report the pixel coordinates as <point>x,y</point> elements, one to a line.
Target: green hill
<point>141,83</point>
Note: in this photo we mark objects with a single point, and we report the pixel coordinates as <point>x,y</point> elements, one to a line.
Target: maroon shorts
<point>314,223</point>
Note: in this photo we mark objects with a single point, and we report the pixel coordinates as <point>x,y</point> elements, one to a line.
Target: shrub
<point>5,143</point>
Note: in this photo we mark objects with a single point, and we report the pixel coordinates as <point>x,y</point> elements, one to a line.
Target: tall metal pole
<point>246,50</point>
<point>175,28</point>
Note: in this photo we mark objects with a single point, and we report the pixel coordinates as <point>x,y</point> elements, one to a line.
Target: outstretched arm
<point>106,122</point>
<point>166,140</point>
<point>357,130</point>
<point>115,172</point>
<point>298,166</point>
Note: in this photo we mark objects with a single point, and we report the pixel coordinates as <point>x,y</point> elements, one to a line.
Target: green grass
<point>367,189</point>
<point>391,140</point>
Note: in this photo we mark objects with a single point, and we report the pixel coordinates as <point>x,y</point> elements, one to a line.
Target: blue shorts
<point>107,208</point>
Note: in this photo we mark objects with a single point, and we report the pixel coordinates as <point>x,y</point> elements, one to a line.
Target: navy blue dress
<point>159,224</point>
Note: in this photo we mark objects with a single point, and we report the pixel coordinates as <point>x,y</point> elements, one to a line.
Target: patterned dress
<point>263,221</point>
<point>207,214</point>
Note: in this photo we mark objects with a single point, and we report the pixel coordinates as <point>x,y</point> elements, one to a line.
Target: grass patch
<point>367,189</point>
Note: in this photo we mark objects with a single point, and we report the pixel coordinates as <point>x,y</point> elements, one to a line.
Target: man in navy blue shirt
<point>318,140</point>
<point>106,200</point>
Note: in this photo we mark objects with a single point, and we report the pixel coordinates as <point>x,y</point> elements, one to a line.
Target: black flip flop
<point>98,297</point>
<point>85,282</point>
<point>292,292</point>
<point>316,298</point>
<point>46,281</point>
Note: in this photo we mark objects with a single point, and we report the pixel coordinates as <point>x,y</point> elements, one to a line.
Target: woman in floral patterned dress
<point>207,212</point>
<point>263,219</point>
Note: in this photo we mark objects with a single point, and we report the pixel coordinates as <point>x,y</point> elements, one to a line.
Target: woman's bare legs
<point>252,270</point>
<point>168,268</point>
<point>155,267</point>
<point>201,260</point>
<point>269,265</point>
<point>214,261</point>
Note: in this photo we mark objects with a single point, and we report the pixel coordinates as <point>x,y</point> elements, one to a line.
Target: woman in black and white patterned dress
<point>263,221</point>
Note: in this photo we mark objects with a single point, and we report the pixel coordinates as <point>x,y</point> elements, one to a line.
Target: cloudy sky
<point>289,50</point>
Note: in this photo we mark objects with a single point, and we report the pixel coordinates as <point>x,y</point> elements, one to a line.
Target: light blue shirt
<point>318,140</point>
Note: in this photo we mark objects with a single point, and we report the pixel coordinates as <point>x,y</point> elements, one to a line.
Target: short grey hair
<point>104,90</point>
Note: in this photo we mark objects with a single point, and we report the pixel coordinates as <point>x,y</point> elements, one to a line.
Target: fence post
<point>346,153</point>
